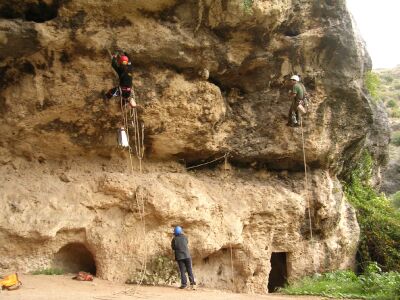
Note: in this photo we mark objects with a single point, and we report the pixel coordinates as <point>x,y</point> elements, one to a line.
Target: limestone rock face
<point>211,81</point>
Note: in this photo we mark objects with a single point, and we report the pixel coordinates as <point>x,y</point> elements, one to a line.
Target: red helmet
<point>123,60</point>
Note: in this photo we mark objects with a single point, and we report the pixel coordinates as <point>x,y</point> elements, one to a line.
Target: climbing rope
<point>232,274</point>
<point>306,179</point>
<point>307,192</point>
<point>132,118</point>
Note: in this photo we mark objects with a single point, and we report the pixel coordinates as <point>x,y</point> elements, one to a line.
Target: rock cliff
<point>211,78</point>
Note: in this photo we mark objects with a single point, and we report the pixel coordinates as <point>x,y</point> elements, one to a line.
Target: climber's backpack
<point>83,276</point>
<point>10,282</point>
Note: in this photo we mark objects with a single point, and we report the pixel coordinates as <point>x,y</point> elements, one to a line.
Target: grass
<point>48,271</point>
<point>373,285</point>
<point>379,246</point>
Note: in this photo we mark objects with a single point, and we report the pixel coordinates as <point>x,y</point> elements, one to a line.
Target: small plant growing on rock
<point>161,270</point>
<point>248,6</point>
<point>372,83</point>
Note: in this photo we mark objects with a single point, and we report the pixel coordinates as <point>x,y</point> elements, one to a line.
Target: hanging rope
<point>307,192</point>
<point>139,135</point>
<point>306,179</point>
<point>139,149</point>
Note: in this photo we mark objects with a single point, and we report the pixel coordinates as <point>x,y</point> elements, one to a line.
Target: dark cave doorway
<point>278,274</point>
<point>75,257</point>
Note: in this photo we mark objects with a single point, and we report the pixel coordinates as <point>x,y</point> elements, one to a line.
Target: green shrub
<point>48,271</point>
<point>161,270</point>
<point>372,83</point>
<point>391,103</point>
<point>379,221</point>
<point>373,284</point>
<point>396,138</point>
<point>387,78</point>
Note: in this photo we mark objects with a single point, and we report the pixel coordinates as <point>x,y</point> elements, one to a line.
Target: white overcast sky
<point>378,21</point>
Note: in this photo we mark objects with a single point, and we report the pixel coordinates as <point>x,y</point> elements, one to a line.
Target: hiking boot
<point>193,286</point>
<point>182,287</point>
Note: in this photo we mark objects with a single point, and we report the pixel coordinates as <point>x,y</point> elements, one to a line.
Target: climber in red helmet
<point>122,65</point>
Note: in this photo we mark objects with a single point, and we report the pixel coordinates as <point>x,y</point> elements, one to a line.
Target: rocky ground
<point>42,287</point>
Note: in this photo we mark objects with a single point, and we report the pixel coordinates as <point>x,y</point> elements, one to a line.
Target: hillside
<point>389,93</point>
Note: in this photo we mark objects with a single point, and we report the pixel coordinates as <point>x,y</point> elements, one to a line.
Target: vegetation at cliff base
<point>379,220</point>
<point>379,248</point>
<point>372,285</point>
<point>48,271</point>
<point>160,271</point>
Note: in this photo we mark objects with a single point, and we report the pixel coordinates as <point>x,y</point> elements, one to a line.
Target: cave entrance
<point>278,274</point>
<point>75,257</point>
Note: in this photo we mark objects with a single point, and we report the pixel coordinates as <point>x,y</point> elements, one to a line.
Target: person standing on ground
<point>297,95</point>
<point>182,256</point>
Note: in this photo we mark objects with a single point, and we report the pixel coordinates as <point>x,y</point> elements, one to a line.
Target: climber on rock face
<point>297,94</point>
<point>122,65</point>
<point>182,256</point>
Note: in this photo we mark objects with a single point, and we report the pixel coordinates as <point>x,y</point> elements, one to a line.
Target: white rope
<point>306,179</point>
<point>207,163</point>
<point>139,149</point>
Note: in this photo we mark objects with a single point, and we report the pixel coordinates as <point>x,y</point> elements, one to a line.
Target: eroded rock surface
<point>211,79</point>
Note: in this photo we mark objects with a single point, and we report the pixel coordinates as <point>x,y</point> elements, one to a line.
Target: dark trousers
<point>294,117</point>
<point>185,265</point>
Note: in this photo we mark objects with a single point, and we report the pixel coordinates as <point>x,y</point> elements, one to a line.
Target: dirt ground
<point>45,287</point>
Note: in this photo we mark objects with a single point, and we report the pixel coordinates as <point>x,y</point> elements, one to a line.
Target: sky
<point>378,22</point>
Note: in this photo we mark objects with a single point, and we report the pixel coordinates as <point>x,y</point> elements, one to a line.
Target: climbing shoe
<point>104,96</point>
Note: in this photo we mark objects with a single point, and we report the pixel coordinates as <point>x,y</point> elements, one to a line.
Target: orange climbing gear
<point>10,282</point>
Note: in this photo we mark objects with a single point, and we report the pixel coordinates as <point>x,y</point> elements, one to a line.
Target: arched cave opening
<point>278,274</point>
<point>75,257</point>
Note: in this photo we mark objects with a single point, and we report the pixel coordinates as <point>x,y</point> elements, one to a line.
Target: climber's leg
<point>112,93</point>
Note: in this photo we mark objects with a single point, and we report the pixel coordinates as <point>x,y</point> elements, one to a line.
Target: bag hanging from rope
<point>122,138</point>
<point>301,108</point>
<point>10,282</point>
